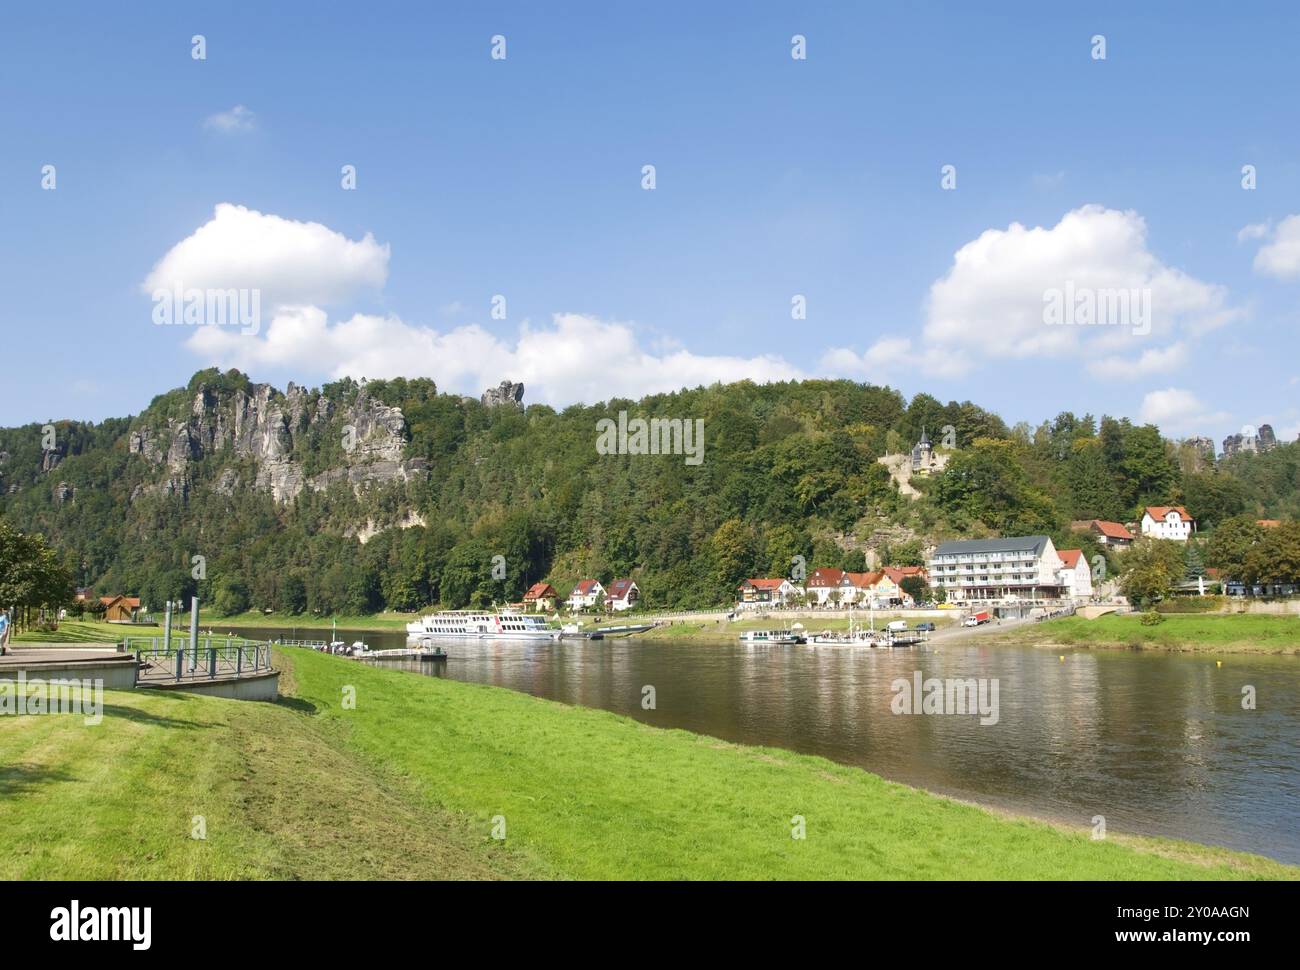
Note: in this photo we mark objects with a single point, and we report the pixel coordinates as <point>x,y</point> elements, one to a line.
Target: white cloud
<point>881,361</point>
<point>990,305</point>
<point>1046,181</point>
<point>237,119</point>
<point>1256,230</point>
<point>575,358</point>
<point>1158,360</point>
<point>290,262</point>
<point>1279,257</point>
<point>1178,411</point>
<point>301,267</point>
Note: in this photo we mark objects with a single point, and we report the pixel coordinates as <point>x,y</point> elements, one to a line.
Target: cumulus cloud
<point>574,358</point>
<point>235,120</point>
<point>1178,411</point>
<point>1256,230</point>
<point>877,364</point>
<point>290,262</point>
<point>1158,360</point>
<point>994,302</point>
<point>1279,256</point>
<point>991,303</point>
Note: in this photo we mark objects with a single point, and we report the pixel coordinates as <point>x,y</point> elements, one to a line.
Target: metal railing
<point>214,657</point>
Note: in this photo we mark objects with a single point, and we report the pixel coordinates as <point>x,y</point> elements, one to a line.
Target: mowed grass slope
<point>280,799</point>
<point>412,782</point>
<point>73,632</point>
<point>1222,632</point>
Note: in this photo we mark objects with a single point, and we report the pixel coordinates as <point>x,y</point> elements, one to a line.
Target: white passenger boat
<point>495,625</point>
<point>855,638</point>
<point>769,636</point>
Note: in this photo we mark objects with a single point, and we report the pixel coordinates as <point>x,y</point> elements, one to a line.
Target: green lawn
<point>306,621</point>
<point>73,632</point>
<point>281,796</point>
<point>409,782</point>
<point>1225,632</point>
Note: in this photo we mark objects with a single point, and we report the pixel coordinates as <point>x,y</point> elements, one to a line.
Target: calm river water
<point>1157,743</point>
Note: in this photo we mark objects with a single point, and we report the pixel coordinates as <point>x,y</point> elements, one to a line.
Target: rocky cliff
<point>274,431</point>
<point>507,392</point>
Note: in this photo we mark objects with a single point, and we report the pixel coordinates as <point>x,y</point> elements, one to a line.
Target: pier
<point>417,653</point>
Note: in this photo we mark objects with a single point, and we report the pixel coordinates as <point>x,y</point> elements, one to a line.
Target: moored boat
<point>854,638</point>
<point>769,636</point>
<point>492,625</point>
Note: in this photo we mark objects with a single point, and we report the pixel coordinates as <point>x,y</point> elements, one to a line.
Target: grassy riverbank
<point>1221,633</point>
<point>279,794</point>
<point>412,781</point>
<point>382,622</point>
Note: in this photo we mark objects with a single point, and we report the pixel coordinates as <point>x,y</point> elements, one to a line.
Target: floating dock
<point>402,653</point>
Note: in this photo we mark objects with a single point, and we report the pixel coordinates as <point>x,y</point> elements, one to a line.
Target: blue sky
<point>522,177</point>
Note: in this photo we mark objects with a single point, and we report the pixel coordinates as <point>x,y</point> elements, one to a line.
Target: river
<point>1156,743</point>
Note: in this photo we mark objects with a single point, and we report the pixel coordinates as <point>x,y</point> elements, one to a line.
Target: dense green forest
<point>789,470</point>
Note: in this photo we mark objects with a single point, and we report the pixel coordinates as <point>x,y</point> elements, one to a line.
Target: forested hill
<point>356,497</point>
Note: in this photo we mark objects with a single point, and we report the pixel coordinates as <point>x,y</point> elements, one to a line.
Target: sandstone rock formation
<point>1245,443</point>
<point>275,430</point>
<point>504,393</point>
<point>1203,445</point>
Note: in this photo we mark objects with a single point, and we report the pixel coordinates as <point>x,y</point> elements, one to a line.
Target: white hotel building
<point>1024,568</point>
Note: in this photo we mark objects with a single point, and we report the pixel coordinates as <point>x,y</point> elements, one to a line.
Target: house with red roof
<point>824,584</point>
<point>895,575</point>
<point>586,595</point>
<point>540,598</point>
<point>1111,534</point>
<point>857,588</point>
<point>1167,522</point>
<point>756,593</point>
<point>622,595</point>
<point>1076,576</point>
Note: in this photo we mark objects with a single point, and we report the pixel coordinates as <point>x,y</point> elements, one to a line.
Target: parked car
<point>928,627</point>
